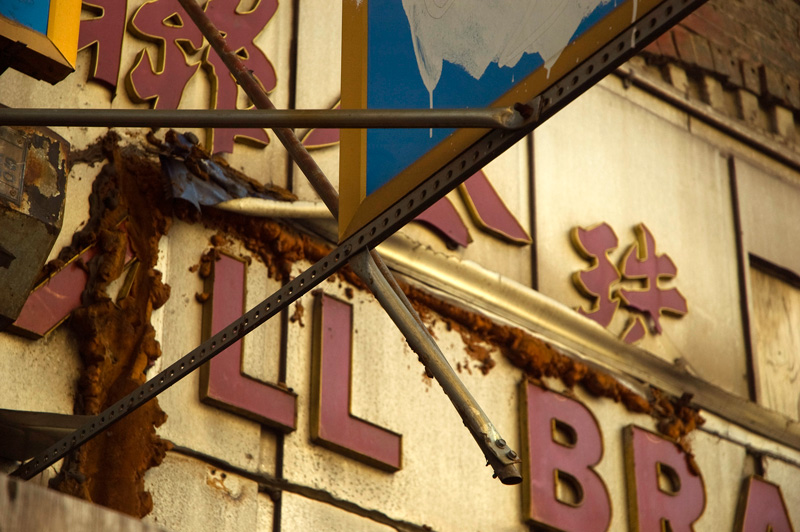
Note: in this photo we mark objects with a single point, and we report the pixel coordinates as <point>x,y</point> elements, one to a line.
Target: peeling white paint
<point>476,33</point>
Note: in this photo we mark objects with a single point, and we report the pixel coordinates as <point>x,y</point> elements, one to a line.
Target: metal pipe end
<point>504,461</point>
<point>511,118</point>
<point>509,474</point>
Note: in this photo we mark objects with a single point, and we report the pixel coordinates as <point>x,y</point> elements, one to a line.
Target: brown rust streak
<point>675,418</point>
<point>116,340</point>
<point>534,356</point>
<point>299,312</point>
<point>276,244</point>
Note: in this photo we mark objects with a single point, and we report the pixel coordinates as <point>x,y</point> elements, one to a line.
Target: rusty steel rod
<point>491,118</point>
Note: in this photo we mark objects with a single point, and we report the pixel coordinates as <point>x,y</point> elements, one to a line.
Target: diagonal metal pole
<point>498,454</point>
<point>370,267</point>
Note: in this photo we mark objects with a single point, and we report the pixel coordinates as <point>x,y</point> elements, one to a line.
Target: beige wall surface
<point>605,160</point>
<point>615,155</point>
<point>770,218</point>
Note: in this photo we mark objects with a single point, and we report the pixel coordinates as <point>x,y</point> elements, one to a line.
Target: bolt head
<point>191,137</point>
<point>512,455</point>
<point>501,443</point>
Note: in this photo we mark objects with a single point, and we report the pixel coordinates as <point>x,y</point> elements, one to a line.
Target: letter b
<point>561,444</point>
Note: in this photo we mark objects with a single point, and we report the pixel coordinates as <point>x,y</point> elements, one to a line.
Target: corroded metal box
<point>33,173</point>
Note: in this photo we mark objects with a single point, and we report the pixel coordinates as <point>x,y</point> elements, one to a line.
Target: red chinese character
<point>488,210</point>
<point>166,23</point>
<point>647,266</point>
<point>105,31</point>
<point>595,244</point>
<point>240,29</point>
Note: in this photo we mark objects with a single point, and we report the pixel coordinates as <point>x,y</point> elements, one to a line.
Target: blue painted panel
<point>394,82</point>
<point>30,13</point>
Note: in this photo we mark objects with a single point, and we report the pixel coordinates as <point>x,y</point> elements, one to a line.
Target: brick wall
<point>750,46</point>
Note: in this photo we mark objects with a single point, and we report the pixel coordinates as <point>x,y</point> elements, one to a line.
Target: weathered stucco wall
<point>719,207</point>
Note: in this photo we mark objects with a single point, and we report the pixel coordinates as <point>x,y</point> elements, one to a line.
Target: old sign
<point>447,54</point>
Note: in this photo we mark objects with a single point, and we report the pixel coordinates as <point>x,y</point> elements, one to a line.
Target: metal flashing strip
<point>466,281</point>
<point>379,229</point>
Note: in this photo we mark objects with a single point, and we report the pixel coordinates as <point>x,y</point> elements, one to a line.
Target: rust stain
<point>207,261</point>
<point>218,480</point>
<point>299,312</point>
<point>427,379</point>
<point>95,152</point>
<point>115,339</point>
<point>218,240</point>
<point>36,167</point>
<point>676,418</point>
<point>476,348</point>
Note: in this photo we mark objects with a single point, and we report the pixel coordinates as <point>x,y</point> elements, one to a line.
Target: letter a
<point>761,508</point>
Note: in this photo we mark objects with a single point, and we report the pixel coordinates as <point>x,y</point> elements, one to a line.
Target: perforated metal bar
<point>478,155</point>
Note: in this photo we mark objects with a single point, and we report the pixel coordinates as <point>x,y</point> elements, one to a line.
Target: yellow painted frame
<point>63,26</point>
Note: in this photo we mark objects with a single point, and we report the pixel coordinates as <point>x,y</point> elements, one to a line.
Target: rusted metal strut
<point>502,459</point>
